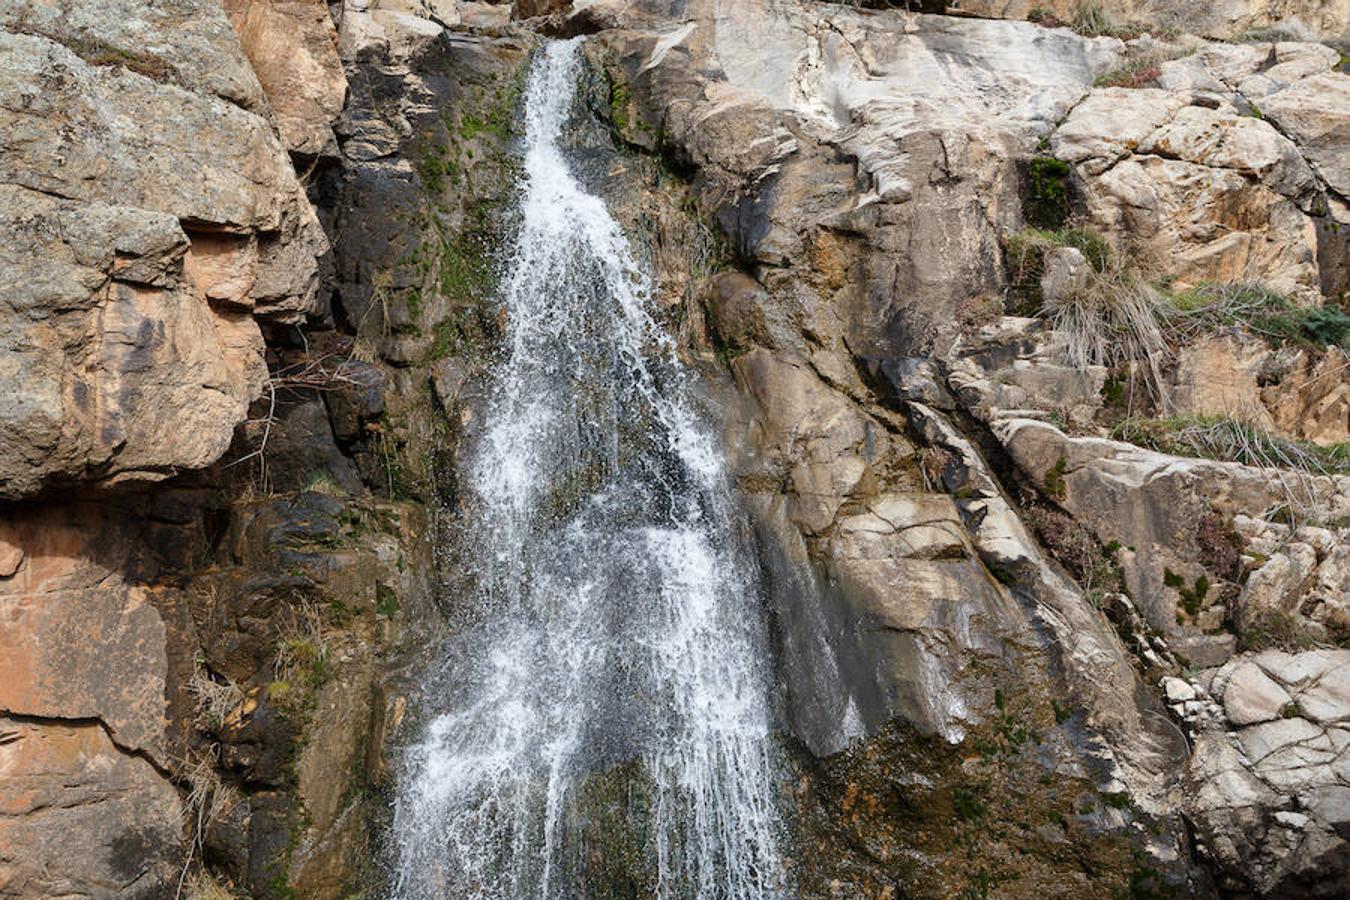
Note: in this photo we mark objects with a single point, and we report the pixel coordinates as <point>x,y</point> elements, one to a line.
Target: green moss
<point>620,98</point>
<point>1113,391</point>
<point>1003,575</point>
<point>436,167</point>
<point>386,601</point>
<point>1055,487</point>
<point>1047,203</point>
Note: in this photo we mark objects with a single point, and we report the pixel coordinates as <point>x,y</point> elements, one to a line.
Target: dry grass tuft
<point>214,699</point>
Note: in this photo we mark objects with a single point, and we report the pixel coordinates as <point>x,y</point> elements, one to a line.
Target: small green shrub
<point>1134,75</point>
<point>1047,204</point>
<point>1327,325</point>
<point>386,601</point>
<point>1117,799</point>
<point>1212,307</point>
<point>620,97</point>
<point>969,803</point>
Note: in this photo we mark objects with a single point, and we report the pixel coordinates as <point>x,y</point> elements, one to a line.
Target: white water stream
<point>615,635</point>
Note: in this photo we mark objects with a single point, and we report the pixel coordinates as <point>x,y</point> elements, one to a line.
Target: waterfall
<point>615,634</point>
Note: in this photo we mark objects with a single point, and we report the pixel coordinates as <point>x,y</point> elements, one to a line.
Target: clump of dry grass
<point>1113,320</point>
<point>304,653</point>
<point>1209,308</point>
<point>203,886</point>
<point>1235,440</point>
<point>214,699</point>
<point>208,798</point>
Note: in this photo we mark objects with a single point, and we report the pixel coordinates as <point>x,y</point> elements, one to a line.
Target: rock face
<point>155,231</point>
<point>292,46</point>
<point>149,227</point>
<point>1231,19</point>
<point>1270,789</point>
<point>1199,185</point>
<point>865,175</point>
<point>1019,655</point>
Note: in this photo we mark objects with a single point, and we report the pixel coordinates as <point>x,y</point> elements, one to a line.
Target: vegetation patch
<point>1276,630</point>
<point>1233,440</point>
<point>1269,314</point>
<point>1025,254</point>
<point>1193,597</point>
<point>1134,75</point>
<point>1047,202</point>
<point>100,53</point>
<point>1055,488</point>
<point>1117,319</point>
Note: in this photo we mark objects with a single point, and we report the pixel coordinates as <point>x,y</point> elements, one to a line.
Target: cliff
<point>1024,325</point>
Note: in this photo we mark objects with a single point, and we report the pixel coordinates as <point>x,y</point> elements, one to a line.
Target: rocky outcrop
<point>150,225</point>
<point>1194,181</point>
<point>1268,776</point>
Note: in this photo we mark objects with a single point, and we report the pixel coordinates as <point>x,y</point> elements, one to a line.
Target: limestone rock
<point>827,439</point>
<point>934,109</point>
<point>1315,112</point>
<point>1066,275</point>
<point>1311,399</point>
<point>1174,182</point>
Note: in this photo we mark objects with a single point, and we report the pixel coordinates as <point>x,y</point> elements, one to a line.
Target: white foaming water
<point>615,632</point>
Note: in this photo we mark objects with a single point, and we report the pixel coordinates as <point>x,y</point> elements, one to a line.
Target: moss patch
<point>1047,192</point>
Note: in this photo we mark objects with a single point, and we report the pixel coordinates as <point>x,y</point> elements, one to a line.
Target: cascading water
<point>616,625</point>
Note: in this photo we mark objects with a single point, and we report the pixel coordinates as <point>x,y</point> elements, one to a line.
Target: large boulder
<point>1269,796</point>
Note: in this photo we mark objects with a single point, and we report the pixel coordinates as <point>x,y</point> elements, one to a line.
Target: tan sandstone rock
<point>292,46</point>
